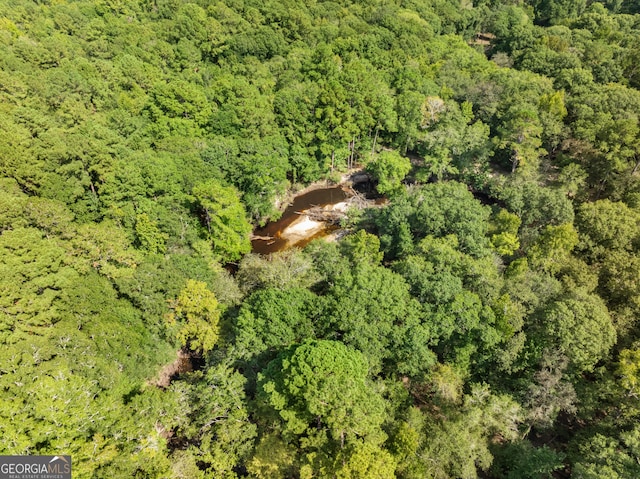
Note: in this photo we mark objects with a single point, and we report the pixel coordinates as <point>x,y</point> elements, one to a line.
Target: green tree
<point>362,247</point>
<point>388,168</point>
<point>216,420</point>
<point>609,457</point>
<point>520,138</point>
<point>505,238</point>
<point>365,461</point>
<point>580,327</point>
<point>437,209</point>
<point>553,247</point>
<point>458,446</point>
<point>197,313</point>
<point>618,283</point>
<point>558,11</point>
<point>322,385</point>
<point>284,269</point>
<point>224,218</point>
<point>452,142</point>
<point>536,206</point>
<point>370,308</point>
<point>607,226</point>
<point>606,118</point>
<point>149,235</point>
<point>272,458</point>
<point>271,319</point>
<point>523,460</point>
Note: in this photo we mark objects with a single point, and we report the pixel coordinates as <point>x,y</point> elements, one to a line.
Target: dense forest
<point>482,323</point>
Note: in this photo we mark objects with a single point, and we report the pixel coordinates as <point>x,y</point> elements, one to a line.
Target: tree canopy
<point>476,316</point>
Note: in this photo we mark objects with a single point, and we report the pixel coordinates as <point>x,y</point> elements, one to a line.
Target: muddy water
<point>270,234</point>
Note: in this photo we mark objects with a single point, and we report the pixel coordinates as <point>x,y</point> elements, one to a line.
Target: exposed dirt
<point>185,362</point>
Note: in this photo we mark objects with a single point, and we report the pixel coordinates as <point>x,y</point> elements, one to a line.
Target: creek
<point>294,228</point>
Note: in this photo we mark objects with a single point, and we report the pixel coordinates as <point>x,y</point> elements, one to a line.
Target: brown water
<point>319,197</point>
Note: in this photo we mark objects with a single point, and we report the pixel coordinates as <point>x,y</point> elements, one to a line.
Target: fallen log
<point>262,238</point>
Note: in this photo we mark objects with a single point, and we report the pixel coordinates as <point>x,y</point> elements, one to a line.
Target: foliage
<point>524,460</point>
<point>198,313</point>
<point>581,328</point>
<point>388,168</point>
<point>273,318</point>
<point>311,383</point>
<point>436,209</point>
<point>607,226</point>
<point>284,269</point>
<point>370,308</point>
<point>505,239</point>
<point>224,218</point>
<point>609,457</point>
<point>553,247</point>
<point>362,247</point>
<point>217,419</point>
<point>489,304</point>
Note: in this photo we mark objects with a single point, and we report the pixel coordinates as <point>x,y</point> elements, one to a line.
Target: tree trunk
<point>352,155</point>
<point>375,140</point>
<point>635,168</point>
